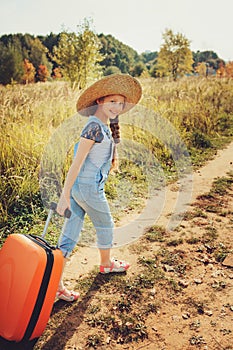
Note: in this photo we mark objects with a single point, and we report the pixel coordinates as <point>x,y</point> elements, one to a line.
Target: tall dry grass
<point>192,103</point>
<point>200,109</point>
<point>29,115</point>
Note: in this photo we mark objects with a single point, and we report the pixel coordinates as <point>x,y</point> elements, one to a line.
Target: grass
<point>156,234</point>
<point>191,116</point>
<point>29,115</point>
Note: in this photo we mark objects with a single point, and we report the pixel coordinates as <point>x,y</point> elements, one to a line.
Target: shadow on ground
<point>74,317</point>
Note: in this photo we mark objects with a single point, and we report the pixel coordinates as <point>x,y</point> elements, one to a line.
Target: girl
<point>83,191</point>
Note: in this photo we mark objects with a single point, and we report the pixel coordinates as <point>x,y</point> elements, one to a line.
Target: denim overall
<point>88,197</point>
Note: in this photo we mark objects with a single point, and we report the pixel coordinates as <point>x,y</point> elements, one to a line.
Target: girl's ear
<point>99,100</point>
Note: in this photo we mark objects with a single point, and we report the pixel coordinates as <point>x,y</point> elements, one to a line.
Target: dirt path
<point>200,182</point>
<point>188,304</point>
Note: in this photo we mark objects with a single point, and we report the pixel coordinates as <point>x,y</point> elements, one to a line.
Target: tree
<point>225,70</point>
<point>148,56</point>
<point>78,55</point>
<point>150,60</point>
<point>175,57</point>
<point>138,69</point>
<point>19,48</point>
<point>229,69</point>
<point>49,41</point>
<point>205,56</point>
<point>117,54</point>
<point>209,57</point>
<point>6,65</point>
<point>37,55</point>
<point>201,69</point>
<point>112,70</point>
<point>42,73</point>
<point>29,72</point>
<point>10,63</point>
<point>153,70</point>
<point>57,73</point>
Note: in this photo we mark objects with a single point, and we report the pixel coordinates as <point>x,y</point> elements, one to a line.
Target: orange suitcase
<point>30,270</point>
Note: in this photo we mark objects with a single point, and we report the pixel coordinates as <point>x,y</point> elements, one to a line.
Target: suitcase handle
<point>67,213</point>
<point>53,207</point>
<point>39,238</point>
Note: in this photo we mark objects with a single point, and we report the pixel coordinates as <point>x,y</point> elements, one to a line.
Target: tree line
<point>83,55</point>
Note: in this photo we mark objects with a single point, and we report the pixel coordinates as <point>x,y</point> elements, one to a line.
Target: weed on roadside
<point>156,234</point>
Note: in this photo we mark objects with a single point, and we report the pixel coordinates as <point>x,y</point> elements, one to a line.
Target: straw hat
<point>115,84</point>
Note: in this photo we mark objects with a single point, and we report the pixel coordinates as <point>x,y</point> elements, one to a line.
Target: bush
<point>199,140</point>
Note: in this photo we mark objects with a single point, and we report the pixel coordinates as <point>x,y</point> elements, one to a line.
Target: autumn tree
<point>229,69</point>
<point>42,73</point>
<point>78,55</point>
<point>220,71</point>
<point>175,57</point>
<point>29,72</point>
<point>57,73</point>
<point>225,70</point>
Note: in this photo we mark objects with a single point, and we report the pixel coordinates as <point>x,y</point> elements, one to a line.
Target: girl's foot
<point>116,266</point>
<point>67,295</point>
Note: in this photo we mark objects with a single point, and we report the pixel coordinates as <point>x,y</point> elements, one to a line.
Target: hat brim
<point>115,84</point>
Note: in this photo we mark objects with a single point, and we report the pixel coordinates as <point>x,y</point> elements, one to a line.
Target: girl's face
<point>112,105</point>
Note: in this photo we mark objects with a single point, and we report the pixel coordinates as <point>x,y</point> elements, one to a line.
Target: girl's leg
<point>71,229</point>
<point>63,293</point>
<point>70,236</point>
<point>105,259</point>
<point>103,222</point>
<point>61,283</point>
<point>96,206</point>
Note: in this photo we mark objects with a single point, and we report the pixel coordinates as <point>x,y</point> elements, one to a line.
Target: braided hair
<point>115,129</point>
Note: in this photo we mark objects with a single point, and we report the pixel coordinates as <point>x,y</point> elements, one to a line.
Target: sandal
<point>116,266</point>
<point>67,295</point>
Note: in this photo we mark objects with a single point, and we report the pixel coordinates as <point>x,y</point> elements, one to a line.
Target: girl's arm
<point>84,147</point>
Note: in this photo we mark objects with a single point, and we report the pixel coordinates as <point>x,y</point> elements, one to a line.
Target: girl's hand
<point>115,160</point>
<point>63,204</point>
<point>82,152</point>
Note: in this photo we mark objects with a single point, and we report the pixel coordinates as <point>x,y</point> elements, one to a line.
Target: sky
<point>140,24</point>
